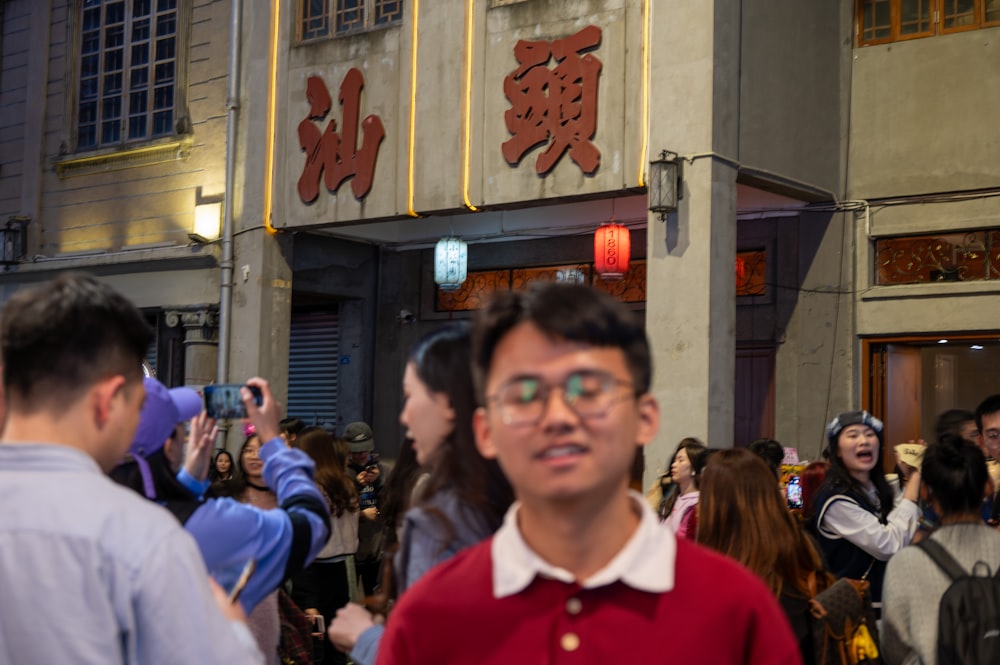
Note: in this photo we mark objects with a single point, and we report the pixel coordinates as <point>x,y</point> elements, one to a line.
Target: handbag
<point>843,624</point>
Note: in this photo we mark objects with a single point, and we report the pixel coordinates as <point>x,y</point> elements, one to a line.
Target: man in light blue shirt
<point>91,573</point>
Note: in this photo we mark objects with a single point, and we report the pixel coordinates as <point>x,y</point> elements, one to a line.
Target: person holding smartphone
<point>282,540</point>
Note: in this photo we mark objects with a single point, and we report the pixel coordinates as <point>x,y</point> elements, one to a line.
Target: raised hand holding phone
<point>264,413</point>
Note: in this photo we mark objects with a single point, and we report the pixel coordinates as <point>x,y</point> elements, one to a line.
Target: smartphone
<point>793,492</point>
<point>223,401</point>
<point>241,582</point>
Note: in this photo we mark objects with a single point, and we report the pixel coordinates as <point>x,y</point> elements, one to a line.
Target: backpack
<point>969,613</point>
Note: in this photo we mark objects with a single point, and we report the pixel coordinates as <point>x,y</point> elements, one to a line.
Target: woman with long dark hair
<point>327,583</point>
<point>860,520</point>
<point>742,515</point>
<point>465,496</point>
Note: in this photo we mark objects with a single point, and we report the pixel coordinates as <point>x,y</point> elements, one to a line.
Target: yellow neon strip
<point>272,94</point>
<point>413,114</point>
<point>644,151</point>
<point>467,120</point>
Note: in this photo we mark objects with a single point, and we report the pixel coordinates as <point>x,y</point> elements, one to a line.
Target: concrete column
<point>691,307</point>
<point>262,276</point>
<point>201,342</point>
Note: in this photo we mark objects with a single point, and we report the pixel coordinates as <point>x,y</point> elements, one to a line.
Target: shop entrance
<point>910,380</point>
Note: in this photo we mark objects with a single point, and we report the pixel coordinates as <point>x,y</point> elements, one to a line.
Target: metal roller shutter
<point>313,368</point>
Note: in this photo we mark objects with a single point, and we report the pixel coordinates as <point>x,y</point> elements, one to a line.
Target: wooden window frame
<point>937,27</point>
<point>375,15</point>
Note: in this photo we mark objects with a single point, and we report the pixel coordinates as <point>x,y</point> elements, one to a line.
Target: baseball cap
<point>359,437</point>
<point>163,409</point>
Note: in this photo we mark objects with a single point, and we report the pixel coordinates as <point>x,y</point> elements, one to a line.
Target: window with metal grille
<point>128,71</point>
<point>885,21</point>
<point>325,18</point>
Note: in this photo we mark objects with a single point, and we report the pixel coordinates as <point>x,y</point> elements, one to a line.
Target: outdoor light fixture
<point>612,251</point>
<point>13,241</point>
<point>665,184</point>
<point>451,263</point>
<point>207,220</point>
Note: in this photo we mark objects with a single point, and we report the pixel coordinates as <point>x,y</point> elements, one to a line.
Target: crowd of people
<point>506,530</point>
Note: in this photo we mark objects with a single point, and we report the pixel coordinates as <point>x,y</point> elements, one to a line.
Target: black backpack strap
<point>942,558</point>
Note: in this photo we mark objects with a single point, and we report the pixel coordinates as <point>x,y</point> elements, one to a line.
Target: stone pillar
<point>691,290</point>
<point>201,341</point>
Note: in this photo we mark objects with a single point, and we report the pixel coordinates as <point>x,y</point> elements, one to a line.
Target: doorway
<point>911,380</point>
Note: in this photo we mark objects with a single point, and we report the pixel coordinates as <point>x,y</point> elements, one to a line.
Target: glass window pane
<point>915,17</point>
<point>114,12</point>
<point>108,28</point>
<point>959,13</point>
<point>163,123</point>
<point>876,20</point>
<point>164,73</point>
<point>112,84</point>
<point>110,131</point>
<point>315,18</point>
<point>139,79</point>
<point>140,30</point>
<point>388,11</point>
<point>992,11</point>
<point>165,49</point>
<point>350,15</point>
<point>137,127</point>
<point>140,55</point>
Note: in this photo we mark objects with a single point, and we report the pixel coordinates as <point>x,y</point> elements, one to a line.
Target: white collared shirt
<point>646,562</point>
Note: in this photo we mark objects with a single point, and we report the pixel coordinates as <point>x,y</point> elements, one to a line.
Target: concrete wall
<point>122,203</point>
<point>439,149</point>
<point>931,131</point>
<point>128,205</point>
<point>794,85</point>
<point>921,116</point>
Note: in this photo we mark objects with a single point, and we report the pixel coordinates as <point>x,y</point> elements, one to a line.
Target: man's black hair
<point>988,406</point>
<point>571,312</point>
<point>60,337</point>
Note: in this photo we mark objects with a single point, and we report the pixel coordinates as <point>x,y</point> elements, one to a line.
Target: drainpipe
<point>227,262</point>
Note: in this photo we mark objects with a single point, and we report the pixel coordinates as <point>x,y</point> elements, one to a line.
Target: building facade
<point>336,142</point>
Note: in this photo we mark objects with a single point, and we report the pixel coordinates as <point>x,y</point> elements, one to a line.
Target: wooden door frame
<point>875,404</point>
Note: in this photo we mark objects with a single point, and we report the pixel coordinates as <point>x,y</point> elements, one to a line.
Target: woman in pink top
<point>683,473</point>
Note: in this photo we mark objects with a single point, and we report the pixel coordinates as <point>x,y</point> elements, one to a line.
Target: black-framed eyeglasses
<point>589,393</point>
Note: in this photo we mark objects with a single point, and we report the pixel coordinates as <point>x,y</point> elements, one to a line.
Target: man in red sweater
<point>581,570</point>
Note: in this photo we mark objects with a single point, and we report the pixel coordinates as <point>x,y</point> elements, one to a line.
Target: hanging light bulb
<point>451,263</point>
<point>612,251</point>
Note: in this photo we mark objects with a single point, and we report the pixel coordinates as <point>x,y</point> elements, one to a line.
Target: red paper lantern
<point>612,251</point>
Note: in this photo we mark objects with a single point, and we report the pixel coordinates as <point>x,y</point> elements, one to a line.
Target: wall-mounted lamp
<point>13,239</point>
<point>207,220</point>
<point>451,263</point>
<point>665,184</point>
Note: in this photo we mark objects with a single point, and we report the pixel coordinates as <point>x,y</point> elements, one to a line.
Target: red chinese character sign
<point>336,157</point>
<point>557,105</point>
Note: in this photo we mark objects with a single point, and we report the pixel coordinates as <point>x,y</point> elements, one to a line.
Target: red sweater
<point>717,613</point>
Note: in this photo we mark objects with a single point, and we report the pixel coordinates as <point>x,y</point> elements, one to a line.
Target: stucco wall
<point>923,115</point>
<point>923,121</point>
<point>385,58</point>
<point>133,205</point>
<point>794,59</point>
